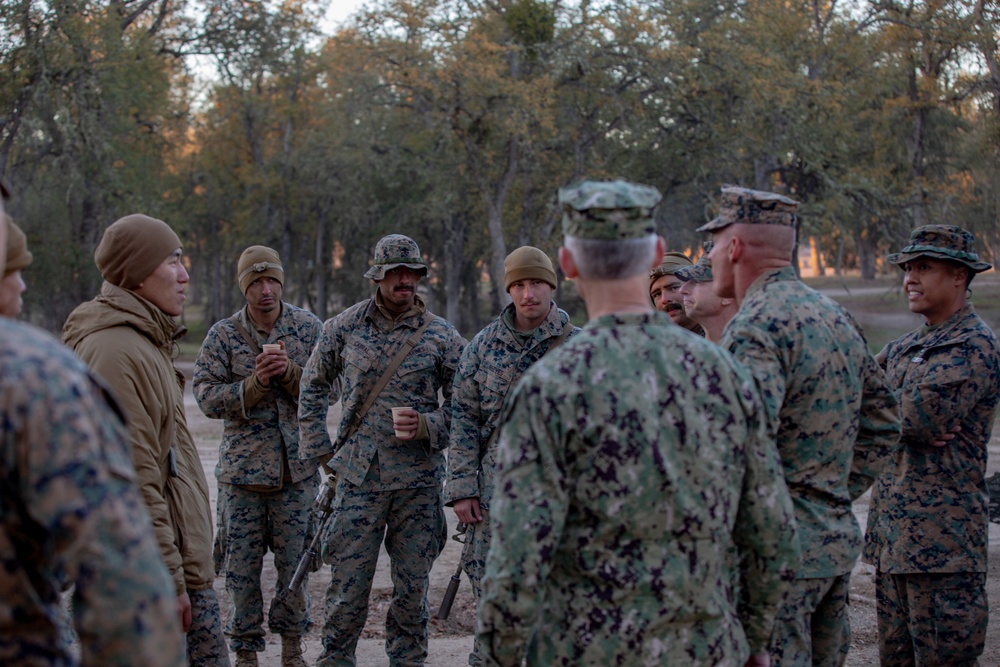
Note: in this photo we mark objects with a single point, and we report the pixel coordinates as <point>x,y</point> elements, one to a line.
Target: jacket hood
<point>116,307</point>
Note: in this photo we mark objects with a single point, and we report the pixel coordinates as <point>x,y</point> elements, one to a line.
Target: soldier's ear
<point>567,264</point>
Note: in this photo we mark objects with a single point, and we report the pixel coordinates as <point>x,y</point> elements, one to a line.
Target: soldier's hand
<point>759,660</point>
<point>405,423</point>
<point>272,363</point>
<point>468,511</point>
<point>184,610</point>
<point>946,437</point>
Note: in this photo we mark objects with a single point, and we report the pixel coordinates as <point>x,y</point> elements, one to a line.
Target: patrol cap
<point>941,242</point>
<point>392,251</point>
<point>701,272</point>
<point>752,207</point>
<point>671,263</point>
<point>256,262</point>
<point>608,210</point>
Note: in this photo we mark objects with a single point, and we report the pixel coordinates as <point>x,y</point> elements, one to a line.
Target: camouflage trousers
<point>813,628</point>
<point>931,619</point>
<point>205,644</point>
<point>477,545</point>
<point>249,524</point>
<point>413,525</point>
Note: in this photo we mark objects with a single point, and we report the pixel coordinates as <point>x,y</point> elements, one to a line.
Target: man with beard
<point>664,290</point>
<point>383,353</point>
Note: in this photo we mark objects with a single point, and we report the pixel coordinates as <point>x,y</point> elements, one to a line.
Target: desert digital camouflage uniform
<point>491,364</point>
<point>71,512</point>
<point>385,486</point>
<point>836,422</point>
<point>630,459</point>
<point>265,489</point>
<point>928,527</point>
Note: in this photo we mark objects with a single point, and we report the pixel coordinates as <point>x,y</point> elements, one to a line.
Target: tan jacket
<point>129,342</point>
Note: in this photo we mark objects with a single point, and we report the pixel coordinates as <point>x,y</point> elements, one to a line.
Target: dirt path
<point>451,640</point>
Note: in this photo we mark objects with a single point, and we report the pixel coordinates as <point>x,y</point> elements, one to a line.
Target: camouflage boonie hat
<point>941,242</point>
<point>752,207</point>
<point>392,251</point>
<point>701,272</point>
<point>608,210</point>
<point>671,263</point>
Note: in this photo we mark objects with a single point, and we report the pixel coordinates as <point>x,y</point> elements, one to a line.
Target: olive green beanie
<point>528,262</point>
<point>132,248</point>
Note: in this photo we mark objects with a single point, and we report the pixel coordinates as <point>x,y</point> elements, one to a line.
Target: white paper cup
<point>271,348</point>
<point>395,413</point>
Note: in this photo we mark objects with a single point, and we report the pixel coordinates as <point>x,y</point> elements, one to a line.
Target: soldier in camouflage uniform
<point>701,303</point>
<point>388,485</point>
<point>927,529</point>
<point>835,417</point>
<point>664,290</point>
<point>625,458</point>
<point>491,364</point>
<point>265,489</point>
<point>71,513</point>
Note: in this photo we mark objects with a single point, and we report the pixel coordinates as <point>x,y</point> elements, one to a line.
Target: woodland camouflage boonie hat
<point>392,251</point>
<point>701,272</point>
<point>752,207</point>
<point>941,242</point>
<point>608,210</point>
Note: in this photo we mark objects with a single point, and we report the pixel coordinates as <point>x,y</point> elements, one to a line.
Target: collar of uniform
<point>418,308</point>
<point>249,320</point>
<point>549,327</point>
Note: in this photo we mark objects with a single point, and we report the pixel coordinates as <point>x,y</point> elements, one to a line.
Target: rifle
<point>323,506</point>
<point>449,595</point>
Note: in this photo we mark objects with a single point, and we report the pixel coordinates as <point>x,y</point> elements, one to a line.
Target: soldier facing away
<point>389,469</point>
<point>827,400</point>
<point>927,529</point>
<point>126,335</point>
<point>496,358</point>
<point>71,513</point>
<point>625,458</point>
<point>247,373</point>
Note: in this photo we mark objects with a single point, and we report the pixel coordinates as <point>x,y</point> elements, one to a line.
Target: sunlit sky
<point>339,11</point>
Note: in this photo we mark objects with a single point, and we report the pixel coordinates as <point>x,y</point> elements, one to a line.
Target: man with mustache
<point>247,373</point>
<point>665,287</point>
<point>385,352</point>
<point>492,363</point>
<point>127,335</point>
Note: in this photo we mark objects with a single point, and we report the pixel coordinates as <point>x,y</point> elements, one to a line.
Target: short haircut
<point>606,259</point>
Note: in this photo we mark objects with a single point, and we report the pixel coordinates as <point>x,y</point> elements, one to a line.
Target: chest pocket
<point>358,361</point>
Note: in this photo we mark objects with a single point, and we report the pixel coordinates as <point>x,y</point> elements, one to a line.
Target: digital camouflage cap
<point>941,242</point>
<point>608,210</point>
<point>392,251</point>
<point>701,272</point>
<point>752,207</point>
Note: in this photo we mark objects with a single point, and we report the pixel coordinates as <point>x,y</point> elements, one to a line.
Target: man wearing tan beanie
<point>665,287</point>
<point>18,258</point>
<point>247,373</point>
<point>491,364</point>
<point>127,335</point>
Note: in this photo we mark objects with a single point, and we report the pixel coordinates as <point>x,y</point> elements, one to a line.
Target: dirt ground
<point>451,640</point>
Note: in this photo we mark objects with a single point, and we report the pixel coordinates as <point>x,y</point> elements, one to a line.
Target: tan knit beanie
<point>132,248</point>
<point>525,263</point>
<point>18,256</point>
<point>258,261</point>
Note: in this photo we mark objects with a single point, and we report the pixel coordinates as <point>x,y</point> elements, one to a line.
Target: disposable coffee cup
<point>271,348</point>
<point>395,413</point>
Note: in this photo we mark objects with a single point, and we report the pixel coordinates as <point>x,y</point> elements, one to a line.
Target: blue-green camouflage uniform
<point>492,362</point>
<point>71,513</point>
<point>836,422</point>
<point>265,489</point>
<point>631,461</point>
<point>385,486</point>
<point>929,508</point>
